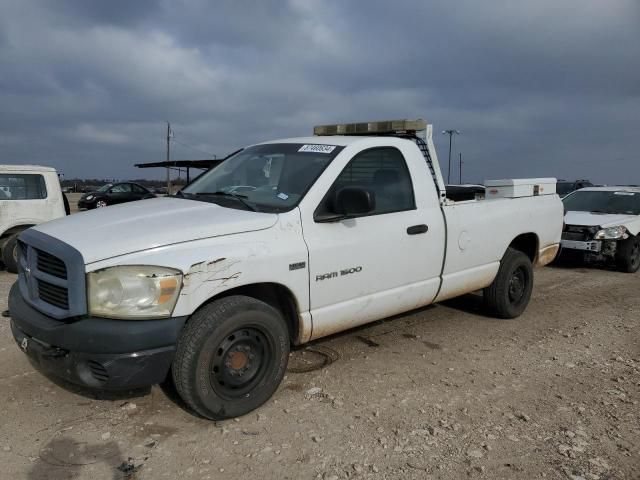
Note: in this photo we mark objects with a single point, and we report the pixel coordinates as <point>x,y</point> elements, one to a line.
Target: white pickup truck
<point>283,243</point>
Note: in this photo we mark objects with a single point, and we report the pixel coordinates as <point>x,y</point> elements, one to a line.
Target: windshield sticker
<point>282,196</point>
<point>317,148</point>
<point>629,194</point>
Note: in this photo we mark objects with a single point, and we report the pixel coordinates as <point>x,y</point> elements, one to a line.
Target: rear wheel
<point>628,254</point>
<point>231,357</point>
<point>10,253</point>
<point>510,292</point>
<point>67,207</point>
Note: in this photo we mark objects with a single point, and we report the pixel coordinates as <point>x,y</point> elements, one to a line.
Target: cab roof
<point>25,168</point>
<point>339,140</point>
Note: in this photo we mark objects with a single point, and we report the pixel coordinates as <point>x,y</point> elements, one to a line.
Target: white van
<point>29,195</point>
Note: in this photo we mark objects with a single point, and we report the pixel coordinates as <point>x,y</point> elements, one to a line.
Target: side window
<point>138,189</point>
<point>384,172</point>
<point>121,188</point>
<point>22,187</point>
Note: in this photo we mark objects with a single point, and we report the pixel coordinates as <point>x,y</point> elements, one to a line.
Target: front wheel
<point>231,357</point>
<point>510,292</point>
<point>10,253</point>
<point>628,254</point>
<point>101,203</point>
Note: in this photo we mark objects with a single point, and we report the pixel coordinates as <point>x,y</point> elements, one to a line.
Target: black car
<point>110,194</point>
<point>565,187</point>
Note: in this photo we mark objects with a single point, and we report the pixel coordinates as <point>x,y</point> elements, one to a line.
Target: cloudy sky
<point>538,88</point>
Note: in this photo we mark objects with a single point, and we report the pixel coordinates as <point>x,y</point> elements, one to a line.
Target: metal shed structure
<point>187,164</point>
<point>182,164</point>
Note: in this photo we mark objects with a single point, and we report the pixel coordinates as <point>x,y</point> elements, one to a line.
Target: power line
<point>193,148</point>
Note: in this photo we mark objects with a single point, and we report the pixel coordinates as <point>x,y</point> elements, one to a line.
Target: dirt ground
<point>73,201</point>
<point>440,393</point>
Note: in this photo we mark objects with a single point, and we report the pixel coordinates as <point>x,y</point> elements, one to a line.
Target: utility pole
<point>451,133</point>
<point>460,168</point>
<point>168,158</point>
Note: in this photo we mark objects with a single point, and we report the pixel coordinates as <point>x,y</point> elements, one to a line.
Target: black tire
<point>628,254</point>
<point>67,207</point>
<point>224,341</point>
<point>510,292</point>
<point>10,253</point>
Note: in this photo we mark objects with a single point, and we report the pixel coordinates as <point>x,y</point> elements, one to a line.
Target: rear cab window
<point>22,186</point>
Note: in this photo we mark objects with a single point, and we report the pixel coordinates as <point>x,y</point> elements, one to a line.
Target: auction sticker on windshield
<point>317,148</point>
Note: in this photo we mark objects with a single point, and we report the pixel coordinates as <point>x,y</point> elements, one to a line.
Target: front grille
<point>47,263</point>
<point>53,294</point>
<point>578,233</point>
<point>574,236</point>
<point>51,275</point>
<point>98,371</point>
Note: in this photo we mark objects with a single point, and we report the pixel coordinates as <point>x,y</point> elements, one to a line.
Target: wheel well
<point>16,229</point>
<point>527,243</point>
<point>273,294</point>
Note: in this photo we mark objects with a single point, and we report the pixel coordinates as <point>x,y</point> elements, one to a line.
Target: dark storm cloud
<point>538,88</point>
<point>124,13</point>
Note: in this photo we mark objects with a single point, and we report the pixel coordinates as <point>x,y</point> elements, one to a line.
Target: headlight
<point>134,292</point>
<point>89,197</point>
<point>611,233</point>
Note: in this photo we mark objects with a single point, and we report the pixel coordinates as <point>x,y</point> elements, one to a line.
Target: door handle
<point>416,229</point>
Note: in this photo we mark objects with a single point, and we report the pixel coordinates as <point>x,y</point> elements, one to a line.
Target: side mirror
<point>348,202</point>
<point>352,201</point>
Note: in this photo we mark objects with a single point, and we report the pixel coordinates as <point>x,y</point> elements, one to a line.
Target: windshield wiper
<point>238,196</point>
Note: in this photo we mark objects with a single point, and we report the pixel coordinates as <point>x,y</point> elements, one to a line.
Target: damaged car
<point>602,225</point>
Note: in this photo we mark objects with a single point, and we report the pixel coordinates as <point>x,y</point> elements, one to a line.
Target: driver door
<point>378,264</point>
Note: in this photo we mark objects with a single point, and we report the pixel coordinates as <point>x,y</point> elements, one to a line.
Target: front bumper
<point>86,204</point>
<point>592,246</point>
<point>96,352</point>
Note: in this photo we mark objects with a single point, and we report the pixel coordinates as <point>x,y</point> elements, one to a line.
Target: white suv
<point>29,195</point>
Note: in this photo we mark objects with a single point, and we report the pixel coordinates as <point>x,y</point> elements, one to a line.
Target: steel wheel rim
<point>240,362</point>
<point>517,285</point>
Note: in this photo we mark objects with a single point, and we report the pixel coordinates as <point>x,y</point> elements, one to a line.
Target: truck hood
<point>631,222</point>
<point>145,224</point>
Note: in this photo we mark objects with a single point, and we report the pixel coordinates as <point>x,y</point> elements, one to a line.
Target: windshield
<point>619,202</point>
<point>104,188</point>
<point>269,178</point>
